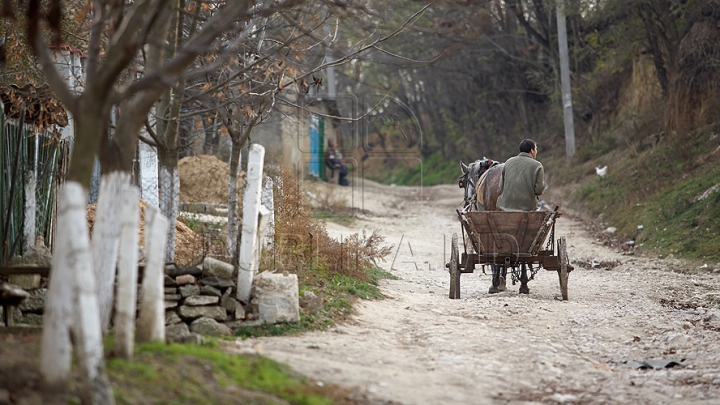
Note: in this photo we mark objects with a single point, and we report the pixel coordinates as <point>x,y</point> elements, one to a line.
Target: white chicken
<point>601,171</point>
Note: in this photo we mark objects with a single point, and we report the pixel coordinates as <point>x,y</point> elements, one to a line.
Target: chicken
<point>601,171</point>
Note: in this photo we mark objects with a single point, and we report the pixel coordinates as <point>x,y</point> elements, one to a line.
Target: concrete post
<point>247,263</point>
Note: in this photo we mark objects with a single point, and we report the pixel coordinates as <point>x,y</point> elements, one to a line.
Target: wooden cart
<point>514,241</point>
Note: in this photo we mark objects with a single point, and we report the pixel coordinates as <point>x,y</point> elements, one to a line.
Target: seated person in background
<point>332,161</point>
<point>522,181</point>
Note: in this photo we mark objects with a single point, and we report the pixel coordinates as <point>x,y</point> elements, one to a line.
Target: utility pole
<point>330,58</point>
<point>565,81</point>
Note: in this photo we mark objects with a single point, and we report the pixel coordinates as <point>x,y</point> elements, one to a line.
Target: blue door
<point>316,147</point>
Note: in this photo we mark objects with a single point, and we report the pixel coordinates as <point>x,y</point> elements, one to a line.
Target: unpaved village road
<point>419,347</point>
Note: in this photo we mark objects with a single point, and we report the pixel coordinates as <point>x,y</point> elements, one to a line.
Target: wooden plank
<point>472,232</point>
<point>543,232</point>
<point>522,227</point>
<point>8,314</point>
<point>42,271</point>
<point>477,243</point>
<point>468,261</point>
<point>8,271</point>
<point>493,229</point>
<point>21,329</point>
<point>516,228</point>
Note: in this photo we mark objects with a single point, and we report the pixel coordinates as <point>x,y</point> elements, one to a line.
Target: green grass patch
<point>657,188</point>
<point>376,274</point>
<point>338,292</point>
<point>336,217</point>
<point>436,169</point>
<point>681,225</point>
<point>191,374</point>
<point>349,286</point>
<point>333,309</point>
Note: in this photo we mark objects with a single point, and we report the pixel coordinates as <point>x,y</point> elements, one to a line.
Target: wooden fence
<point>46,158</point>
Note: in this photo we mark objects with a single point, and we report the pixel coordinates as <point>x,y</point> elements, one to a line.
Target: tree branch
<point>57,83</point>
<point>517,10</point>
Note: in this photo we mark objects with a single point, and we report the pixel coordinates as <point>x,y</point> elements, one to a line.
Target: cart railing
<point>506,232</point>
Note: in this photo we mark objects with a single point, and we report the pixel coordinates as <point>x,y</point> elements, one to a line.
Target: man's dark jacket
<point>522,181</point>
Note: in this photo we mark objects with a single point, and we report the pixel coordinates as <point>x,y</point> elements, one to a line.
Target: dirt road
<point>419,347</point>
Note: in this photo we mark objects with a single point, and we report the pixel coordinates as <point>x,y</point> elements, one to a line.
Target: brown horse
<point>481,181</point>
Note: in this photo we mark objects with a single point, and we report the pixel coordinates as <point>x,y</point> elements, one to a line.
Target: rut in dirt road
<point>419,347</point>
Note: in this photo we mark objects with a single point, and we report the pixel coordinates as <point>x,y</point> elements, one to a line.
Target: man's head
<point>331,143</point>
<point>529,146</point>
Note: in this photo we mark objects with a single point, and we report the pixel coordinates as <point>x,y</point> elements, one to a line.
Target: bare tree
<point>130,64</point>
<point>118,33</point>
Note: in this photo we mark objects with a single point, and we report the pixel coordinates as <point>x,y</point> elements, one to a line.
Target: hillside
<point>645,104</point>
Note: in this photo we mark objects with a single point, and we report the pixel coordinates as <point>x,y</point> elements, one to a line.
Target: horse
<point>481,182</point>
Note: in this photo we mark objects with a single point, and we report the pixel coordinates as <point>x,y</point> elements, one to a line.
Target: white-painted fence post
<point>30,182</point>
<point>151,323</point>
<point>148,173</point>
<point>247,263</point>
<point>106,240</point>
<point>269,203</point>
<point>127,274</point>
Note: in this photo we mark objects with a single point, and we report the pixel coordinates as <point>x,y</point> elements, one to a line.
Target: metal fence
<point>45,157</point>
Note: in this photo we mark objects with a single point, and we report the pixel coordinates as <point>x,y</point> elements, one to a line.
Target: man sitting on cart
<point>522,181</point>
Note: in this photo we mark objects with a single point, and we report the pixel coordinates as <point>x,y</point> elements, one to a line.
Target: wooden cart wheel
<point>564,264</point>
<point>454,268</point>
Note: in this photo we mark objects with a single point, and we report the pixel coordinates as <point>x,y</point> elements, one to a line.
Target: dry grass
<point>302,245</point>
<point>328,199</point>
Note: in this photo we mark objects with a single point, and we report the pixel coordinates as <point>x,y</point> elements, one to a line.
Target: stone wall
<point>206,304</point>
<point>30,311</point>
<point>199,300</point>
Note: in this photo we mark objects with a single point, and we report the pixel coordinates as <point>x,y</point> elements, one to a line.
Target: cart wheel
<point>454,268</point>
<point>564,264</point>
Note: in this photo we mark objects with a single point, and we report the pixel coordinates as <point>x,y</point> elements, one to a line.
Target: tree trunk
<point>127,274</point>
<point>169,196</point>
<point>212,138</point>
<point>106,240</point>
<point>168,109</point>
<point>151,323</point>
<point>56,351</point>
<point>87,332</point>
<point>90,128</point>
<point>233,224</point>
<point>169,176</point>
<point>72,304</point>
